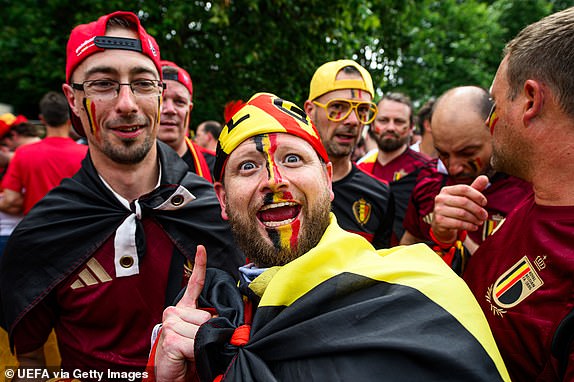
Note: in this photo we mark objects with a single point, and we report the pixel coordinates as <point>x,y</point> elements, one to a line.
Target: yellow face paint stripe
<point>91,112</point>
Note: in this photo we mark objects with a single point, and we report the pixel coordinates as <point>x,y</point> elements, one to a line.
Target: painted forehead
<point>349,94</point>
<point>275,141</point>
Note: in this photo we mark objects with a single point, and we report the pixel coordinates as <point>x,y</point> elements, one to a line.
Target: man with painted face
<point>395,162</point>
<point>464,146</point>
<point>523,274</point>
<point>318,302</point>
<point>174,121</point>
<point>102,254</point>
<point>340,105</point>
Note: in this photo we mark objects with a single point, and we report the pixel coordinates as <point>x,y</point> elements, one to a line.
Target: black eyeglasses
<point>104,90</point>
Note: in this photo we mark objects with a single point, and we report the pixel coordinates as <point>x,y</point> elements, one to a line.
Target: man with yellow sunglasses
<point>340,105</point>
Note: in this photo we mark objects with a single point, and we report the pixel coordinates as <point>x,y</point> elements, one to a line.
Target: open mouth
<point>345,137</point>
<point>278,214</point>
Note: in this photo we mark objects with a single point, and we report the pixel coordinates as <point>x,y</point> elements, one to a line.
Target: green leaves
<point>235,48</point>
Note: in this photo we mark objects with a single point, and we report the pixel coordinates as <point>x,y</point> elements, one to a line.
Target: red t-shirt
<point>102,321</point>
<point>38,167</point>
<point>402,175</point>
<point>409,161</point>
<point>523,279</point>
<point>503,195</point>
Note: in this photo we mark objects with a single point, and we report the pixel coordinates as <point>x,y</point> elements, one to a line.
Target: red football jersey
<point>523,278</point>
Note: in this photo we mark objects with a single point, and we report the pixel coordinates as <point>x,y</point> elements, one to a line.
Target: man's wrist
<point>461,235</point>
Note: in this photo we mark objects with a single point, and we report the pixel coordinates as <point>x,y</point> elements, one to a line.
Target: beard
<point>130,152</point>
<point>511,153</point>
<point>337,151</point>
<point>267,252</point>
<point>508,162</point>
<point>391,144</point>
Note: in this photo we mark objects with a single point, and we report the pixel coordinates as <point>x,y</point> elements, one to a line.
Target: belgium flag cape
<point>346,312</point>
<point>73,220</point>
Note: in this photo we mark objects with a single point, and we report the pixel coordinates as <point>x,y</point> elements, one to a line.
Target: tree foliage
<point>235,48</point>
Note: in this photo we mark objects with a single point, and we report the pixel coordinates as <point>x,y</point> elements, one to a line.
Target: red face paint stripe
<point>492,121</point>
<point>295,233</point>
<point>271,145</point>
<point>91,113</point>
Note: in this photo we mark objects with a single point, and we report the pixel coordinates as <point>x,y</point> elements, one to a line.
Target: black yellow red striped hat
<point>265,113</point>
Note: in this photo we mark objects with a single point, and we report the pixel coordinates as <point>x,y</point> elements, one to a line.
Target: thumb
<point>480,183</point>
<point>196,281</point>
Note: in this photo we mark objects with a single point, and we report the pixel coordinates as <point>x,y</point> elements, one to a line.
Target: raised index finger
<point>196,281</point>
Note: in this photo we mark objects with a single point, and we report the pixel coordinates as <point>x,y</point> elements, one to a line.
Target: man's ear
<point>329,170</point>
<point>308,106</point>
<point>221,196</point>
<point>71,97</point>
<point>534,101</point>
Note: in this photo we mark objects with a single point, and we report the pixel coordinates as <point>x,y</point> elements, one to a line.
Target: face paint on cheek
<point>159,103</point>
<point>90,108</point>
<point>285,236</point>
<point>475,164</point>
<point>186,120</point>
<point>376,129</point>
<point>492,121</point>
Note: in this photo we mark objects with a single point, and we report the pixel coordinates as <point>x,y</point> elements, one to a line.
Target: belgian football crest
<point>491,225</point>
<point>398,175</point>
<point>514,285</point>
<point>362,211</point>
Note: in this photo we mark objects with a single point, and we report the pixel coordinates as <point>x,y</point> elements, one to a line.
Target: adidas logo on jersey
<point>92,274</point>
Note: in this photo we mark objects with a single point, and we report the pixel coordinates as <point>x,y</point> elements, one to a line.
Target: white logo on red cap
<point>151,47</point>
<point>83,46</point>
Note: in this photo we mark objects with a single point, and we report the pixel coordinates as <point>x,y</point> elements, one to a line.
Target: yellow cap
<point>324,79</point>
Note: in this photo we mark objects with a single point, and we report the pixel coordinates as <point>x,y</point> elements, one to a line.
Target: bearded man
<point>317,302</point>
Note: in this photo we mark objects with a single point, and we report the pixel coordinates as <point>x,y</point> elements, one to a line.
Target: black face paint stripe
<point>275,238</point>
<point>85,103</point>
<point>259,147</point>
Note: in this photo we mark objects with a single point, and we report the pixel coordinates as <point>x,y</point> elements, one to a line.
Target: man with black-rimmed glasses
<point>100,256</point>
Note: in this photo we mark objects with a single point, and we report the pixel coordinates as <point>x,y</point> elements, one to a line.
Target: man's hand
<point>11,202</point>
<point>174,352</point>
<point>459,207</point>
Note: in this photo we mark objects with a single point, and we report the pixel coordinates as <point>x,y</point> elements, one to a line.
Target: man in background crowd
<point>340,104</point>
<point>175,114</point>
<point>394,162</point>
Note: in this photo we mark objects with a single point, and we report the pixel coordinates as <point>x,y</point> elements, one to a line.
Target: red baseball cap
<point>182,75</point>
<point>9,120</point>
<point>87,39</point>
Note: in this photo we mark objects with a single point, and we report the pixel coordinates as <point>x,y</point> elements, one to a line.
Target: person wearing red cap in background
<point>174,122</point>
<point>102,254</point>
<point>340,105</point>
<point>15,131</point>
<point>38,167</point>
<point>319,303</point>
